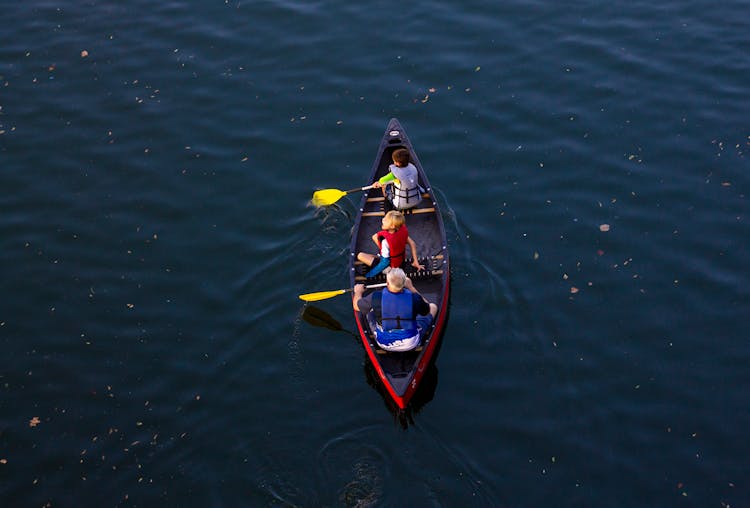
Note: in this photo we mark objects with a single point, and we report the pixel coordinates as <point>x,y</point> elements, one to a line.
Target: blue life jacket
<point>397,322</point>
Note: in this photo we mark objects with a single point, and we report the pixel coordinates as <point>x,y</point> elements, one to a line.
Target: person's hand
<point>377,185</point>
<point>358,290</point>
<point>416,265</point>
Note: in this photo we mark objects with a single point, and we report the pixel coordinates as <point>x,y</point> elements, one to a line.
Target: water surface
<point>155,231</point>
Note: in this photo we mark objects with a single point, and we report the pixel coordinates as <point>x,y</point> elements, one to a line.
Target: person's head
<point>401,157</point>
<point>396,279</point>
<point>393,220</point>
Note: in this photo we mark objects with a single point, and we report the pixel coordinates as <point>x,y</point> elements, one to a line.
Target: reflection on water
<point>318,317</point>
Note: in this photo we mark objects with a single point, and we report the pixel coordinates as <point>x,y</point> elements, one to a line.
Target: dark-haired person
<point>405,192</point>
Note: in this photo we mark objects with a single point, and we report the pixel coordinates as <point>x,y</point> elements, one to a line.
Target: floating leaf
<point>34,421</point>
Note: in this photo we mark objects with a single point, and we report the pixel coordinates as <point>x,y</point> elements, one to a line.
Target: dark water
<point>155,233</point>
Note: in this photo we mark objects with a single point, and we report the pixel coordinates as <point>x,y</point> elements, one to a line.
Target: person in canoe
<point>391,242</point>
<point>400,313</point>
<point>405,192</point>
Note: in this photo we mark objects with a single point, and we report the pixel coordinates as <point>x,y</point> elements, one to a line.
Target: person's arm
<point>387,178</point>
<point>421,305</point>
<point>415,257</point>
<point>359,290</point>
<point>384,180</point>
<point>426,307</point>
<point>408,284</point>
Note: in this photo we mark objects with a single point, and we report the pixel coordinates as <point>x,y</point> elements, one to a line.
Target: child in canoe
<point>391,242</point>
<point>405,192</point>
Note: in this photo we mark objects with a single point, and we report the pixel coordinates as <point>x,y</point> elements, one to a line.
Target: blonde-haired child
<point>391,241</point>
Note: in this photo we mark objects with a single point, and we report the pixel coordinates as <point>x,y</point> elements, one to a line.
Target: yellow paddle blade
<point>325,197</point>
<point>321,295</point>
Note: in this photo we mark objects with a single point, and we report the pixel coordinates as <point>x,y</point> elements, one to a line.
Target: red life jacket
<point>396,243</point>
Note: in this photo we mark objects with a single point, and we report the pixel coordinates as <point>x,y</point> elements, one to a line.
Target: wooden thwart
<point>420,273</point>
<point>439,256</point>
<point>422,210</point>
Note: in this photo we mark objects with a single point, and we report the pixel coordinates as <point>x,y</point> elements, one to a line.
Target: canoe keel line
<point>401,372</point>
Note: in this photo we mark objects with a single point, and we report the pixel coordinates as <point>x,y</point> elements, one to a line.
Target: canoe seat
<point>432,266</point>
<point>409,211</point>
<point>414,275</point>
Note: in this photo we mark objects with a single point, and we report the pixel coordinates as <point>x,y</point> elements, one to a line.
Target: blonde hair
<point>395,218</point>
<point>396,278</point>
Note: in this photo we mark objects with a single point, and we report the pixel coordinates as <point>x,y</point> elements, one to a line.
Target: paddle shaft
<point>324,295</point>
<point>368,187</point>
<point>371,286</point>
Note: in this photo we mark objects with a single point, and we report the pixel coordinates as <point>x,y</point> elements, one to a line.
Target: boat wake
<point>357,466</point>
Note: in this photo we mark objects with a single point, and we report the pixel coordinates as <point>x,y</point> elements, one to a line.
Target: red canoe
<point>401,372</point>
